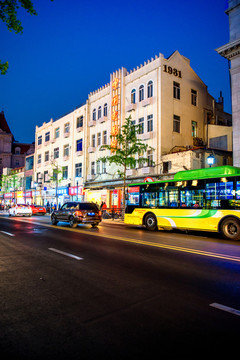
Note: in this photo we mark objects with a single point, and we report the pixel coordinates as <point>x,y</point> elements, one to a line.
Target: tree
<point>125,147</point>
<point>9,182</point>
<point>8,14</point>
<point>56,177</point>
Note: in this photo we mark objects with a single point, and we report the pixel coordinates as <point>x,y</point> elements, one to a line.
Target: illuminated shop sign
<point>134,189</point>
<point>75,190</point>
<point>115,113</point>
<point>9,195</point>
<point>62,191</point>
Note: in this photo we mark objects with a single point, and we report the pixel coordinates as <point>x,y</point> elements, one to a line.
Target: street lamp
<point>211,160</point>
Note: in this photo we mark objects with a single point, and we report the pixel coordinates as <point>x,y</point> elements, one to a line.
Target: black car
<point>78,213</point>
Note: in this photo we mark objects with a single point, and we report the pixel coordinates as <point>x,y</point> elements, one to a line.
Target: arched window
<point>133,96</point>
<point>141,92</point>
<point>94,115</point>
<point>105,110</point>
<point>18,150</point>
<point>99,112</point>
<point>150,89</point>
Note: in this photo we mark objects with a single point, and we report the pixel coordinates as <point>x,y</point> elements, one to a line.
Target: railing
<point>112,213</point>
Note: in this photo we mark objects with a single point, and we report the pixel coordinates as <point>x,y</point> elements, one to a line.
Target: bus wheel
<point>230,228</point>
<point>150,222</point>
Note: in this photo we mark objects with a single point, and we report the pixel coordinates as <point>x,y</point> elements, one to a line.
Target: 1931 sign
<point>173,71</point>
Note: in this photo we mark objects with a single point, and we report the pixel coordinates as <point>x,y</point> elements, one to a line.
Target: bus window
<point>191,198</point>
<point>150,199</point>
<point>162,199</point>
<point>219,195</point>
<point>172,198</point>
<point>237,201</point>
<point>133,195</point>
<point>238,190</point>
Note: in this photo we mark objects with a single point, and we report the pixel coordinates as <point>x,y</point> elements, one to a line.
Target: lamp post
<point>211,160</point>
<point>35,192</point>
<point>77,180</point>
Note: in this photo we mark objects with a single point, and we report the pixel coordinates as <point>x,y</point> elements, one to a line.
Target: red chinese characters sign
<point>115,113</point>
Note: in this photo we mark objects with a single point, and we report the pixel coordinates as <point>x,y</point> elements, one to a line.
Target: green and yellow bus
<point>202,199</point>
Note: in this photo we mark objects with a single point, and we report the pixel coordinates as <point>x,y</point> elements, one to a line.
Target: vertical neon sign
<point>115,115</point>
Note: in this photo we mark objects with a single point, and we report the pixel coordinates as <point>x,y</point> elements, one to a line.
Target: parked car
<point>78,213</point>
<point>20,210</point>
<point>38,210</point>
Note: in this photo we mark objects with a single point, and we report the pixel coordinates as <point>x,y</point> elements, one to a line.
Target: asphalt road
<point>116,292</point>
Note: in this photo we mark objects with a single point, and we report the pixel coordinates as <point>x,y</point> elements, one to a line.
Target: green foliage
<point>128,146</point>
<point>9,181</point>
<point>57,173</point>
<point>8,13</point>
<point>3,67</point>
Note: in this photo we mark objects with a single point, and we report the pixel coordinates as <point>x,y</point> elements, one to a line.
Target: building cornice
<point>230,50</point>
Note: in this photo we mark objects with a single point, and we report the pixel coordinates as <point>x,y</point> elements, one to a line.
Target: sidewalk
<point>112,221</point>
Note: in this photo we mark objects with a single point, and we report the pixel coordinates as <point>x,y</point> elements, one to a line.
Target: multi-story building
<point>12,156</point>
<point>12,153</point>
<point>231,51</point>
<point>179,119</point>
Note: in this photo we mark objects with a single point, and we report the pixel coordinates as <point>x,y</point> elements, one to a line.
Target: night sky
<point>70,48</point>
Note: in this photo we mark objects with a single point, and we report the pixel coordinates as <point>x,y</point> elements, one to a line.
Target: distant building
<point>231,51</point>
<point>12,153</point>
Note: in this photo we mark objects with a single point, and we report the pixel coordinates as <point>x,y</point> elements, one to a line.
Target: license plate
<point>40,209</point>
<point>91,214</point>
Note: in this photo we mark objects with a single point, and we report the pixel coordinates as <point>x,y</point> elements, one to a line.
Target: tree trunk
<point>124,188</point>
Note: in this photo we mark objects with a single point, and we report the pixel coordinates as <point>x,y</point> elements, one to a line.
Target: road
<point>117,292</point>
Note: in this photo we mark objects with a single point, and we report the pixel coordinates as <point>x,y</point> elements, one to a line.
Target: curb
<point>113,221</point>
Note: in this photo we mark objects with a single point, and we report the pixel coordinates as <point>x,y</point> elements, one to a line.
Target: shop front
<point>116,200</point>
<point>76,193</point>
<point>63,195</point>
<point>37,197</point>
<point>24,197</point>
<point>8,198</point>
<point>97,196</point>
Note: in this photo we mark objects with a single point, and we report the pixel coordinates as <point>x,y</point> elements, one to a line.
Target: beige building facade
<point>179,119</point>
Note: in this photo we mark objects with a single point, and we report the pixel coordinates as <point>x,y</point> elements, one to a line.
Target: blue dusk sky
<point>70,48</point>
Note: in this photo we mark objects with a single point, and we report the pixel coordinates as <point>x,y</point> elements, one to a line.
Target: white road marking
<point>7,233</point>
<point>65,253</point>
<point>226,308</point>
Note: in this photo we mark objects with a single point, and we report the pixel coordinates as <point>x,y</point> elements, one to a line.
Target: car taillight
<point>78,213</point>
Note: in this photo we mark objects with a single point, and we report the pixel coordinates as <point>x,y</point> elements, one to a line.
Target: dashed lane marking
<point>65,253</point>
<point>225,308</point>
<point>7,233</point>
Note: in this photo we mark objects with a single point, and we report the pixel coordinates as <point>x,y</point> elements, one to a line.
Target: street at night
<point>119,180</point>
<point>116,291</point>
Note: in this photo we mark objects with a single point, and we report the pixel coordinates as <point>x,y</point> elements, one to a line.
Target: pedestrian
<point>104,208</point>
